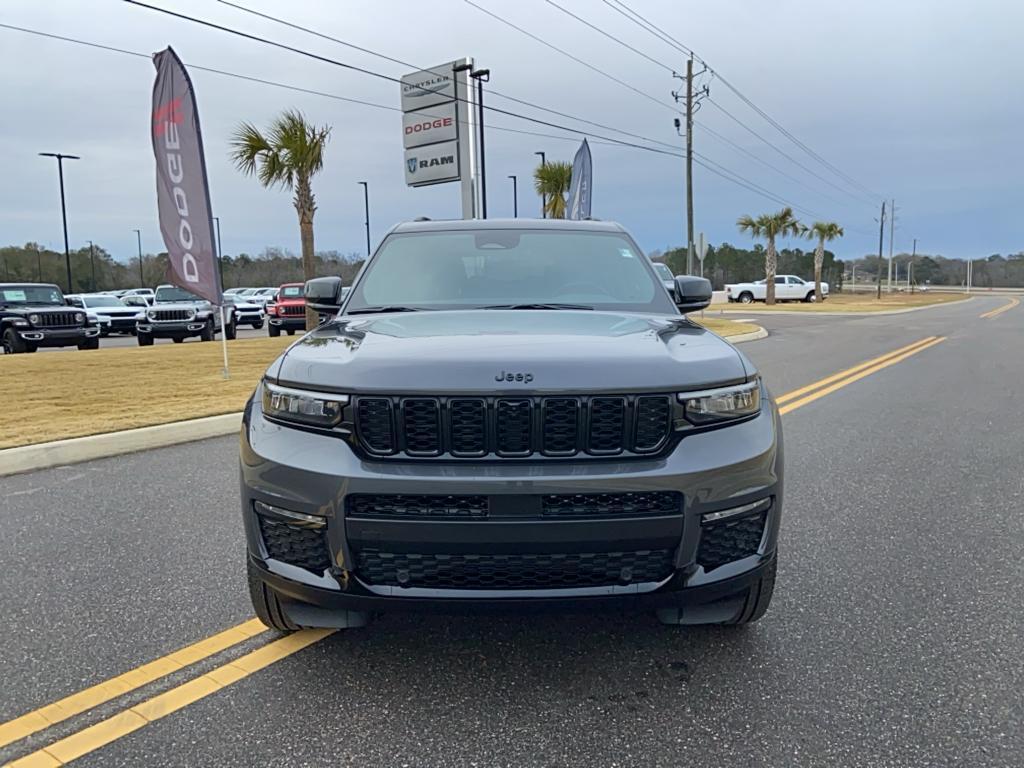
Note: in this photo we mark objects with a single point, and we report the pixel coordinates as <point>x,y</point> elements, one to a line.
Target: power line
<point>608,35</point>
<point>565,53</point>
<point>491,91</point>
<point>653,29</point>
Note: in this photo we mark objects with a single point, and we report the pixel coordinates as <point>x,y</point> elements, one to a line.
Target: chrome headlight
<point>716,406</point>
<point>151,314</point>
<point>314,409</point>
<point>34,319</point>
<point>79,317</point>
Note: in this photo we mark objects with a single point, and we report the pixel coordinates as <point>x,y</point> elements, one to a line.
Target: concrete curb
<point>791,313</point>
<point>739,338</point>
<point>43,455</point>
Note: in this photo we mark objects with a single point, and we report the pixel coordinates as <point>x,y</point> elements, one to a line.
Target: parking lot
<point>893,639</point>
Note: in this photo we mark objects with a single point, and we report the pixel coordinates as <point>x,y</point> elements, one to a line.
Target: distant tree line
<point>96,270</point>
<point>729,264</point>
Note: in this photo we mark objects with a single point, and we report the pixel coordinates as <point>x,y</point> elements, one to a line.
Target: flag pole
<point>224,343</point>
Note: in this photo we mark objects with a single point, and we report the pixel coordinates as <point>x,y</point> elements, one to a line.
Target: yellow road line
<point>77,703</point>
<point>128,720</point>
<point>849,371</point>
<point>999,310</point>
<point>792,406</point>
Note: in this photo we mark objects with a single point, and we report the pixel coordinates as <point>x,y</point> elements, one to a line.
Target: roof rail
<point>422,218</point>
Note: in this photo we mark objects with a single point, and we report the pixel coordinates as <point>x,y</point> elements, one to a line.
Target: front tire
<point>257,325</point>
<point>809,298</point>
<point>177,340</point>
<point>230,331</point>
<point>145,339</point>
<point>291,331</point>
<point>746,298</point>
<point>265,603</point>
<point>274,330</point>
<point>13,343</point>
<point>89,344</point>
<point>759,596</point>
<point>207,333</point>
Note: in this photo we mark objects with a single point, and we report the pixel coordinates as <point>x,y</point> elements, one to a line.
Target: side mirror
<point>692,293</point>
<point>324,294</point>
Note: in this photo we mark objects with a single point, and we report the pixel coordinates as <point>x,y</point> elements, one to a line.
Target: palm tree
<point>552,180</point>
<point>289,155</point>
<point>769,226</point>
<point>823,232</point>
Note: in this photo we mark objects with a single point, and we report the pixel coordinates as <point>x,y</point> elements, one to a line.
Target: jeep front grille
<point>513,571</point>
<point>511,427</point>
<point>171,315</point>
<point>56,320</point>
<point>291,310</point>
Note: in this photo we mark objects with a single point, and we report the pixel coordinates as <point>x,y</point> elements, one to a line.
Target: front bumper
<point>168,330</point>
<point>314,475</point>
<point>248,317</point>
<point>288,322</point>
<point>114,324</point>
<point>63,337</point>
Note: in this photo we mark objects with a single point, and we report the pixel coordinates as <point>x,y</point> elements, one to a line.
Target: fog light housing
<point>732,513</point>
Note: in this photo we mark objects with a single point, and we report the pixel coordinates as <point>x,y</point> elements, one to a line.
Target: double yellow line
<point>139,715</point>
<point>999,310</point>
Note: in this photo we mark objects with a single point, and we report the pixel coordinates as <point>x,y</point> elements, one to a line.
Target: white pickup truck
<point>787,288</point>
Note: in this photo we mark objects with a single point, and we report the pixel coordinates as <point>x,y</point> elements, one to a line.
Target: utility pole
<point>693,101</point>
<point>481,76</point>
<point>892,235</point>
<point>515,198</point>
<point>881,237</point>
<point>39,263</point>
<point>63,209</point>
<point>543,198</point>
<point>142,279</point>
<point>366,208</point>
<point>92,260</point>
<point>910,271</point>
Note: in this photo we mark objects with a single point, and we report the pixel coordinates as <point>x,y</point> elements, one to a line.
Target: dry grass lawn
<point>850,302</point>
<point>56,395</point>
<point>724,328</point>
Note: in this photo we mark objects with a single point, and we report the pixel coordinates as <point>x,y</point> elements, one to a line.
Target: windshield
<point>456,270</point>
<point>291,292</point>
<point>663,271</point>
<point>169,293</point>
<point>31,294</point>
<point>102,301</point>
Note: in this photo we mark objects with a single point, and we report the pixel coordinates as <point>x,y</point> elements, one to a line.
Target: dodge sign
<point>429,125</point>
<point>432,164</point>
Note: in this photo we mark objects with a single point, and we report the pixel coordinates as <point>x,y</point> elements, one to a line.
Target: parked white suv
<point>787,288</point>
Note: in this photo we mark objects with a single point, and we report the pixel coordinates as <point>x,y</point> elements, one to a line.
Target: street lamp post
<point>543,198</point>
<point>63,208</point>
<point>515,198</point>
<point>366,208</point>
<point>482,76</point>
<point>92,261</point>
<point>142,278</point>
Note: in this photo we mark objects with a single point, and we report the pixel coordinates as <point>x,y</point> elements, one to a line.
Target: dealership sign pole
<point>438,129</point>
<point>182,190</point>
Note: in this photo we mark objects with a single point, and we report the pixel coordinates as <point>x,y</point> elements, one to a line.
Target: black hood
<point>27,309</point>
<point>469,351</point>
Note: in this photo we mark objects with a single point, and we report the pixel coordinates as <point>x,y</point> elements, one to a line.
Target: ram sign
<point>429,126</point>
<point>432,164</point>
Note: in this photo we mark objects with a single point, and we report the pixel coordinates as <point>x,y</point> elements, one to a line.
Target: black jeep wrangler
<point>34,315</point>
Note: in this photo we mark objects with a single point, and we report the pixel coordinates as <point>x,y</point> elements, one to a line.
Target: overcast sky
<point>920,101</point>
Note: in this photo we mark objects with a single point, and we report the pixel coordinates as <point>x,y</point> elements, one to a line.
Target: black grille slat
<point>296,544</point>
<point>519,571</point>
<point>612,504</point>
<point>291,310</point>
<point>422,426</point>
<point>653,415</point>
<point>56,320</point>
<point>728,540</point>
<point>376,424</point>
<point>560,426</point>
<point>416,506</point>
<point>607,424</point>
<point>468,425</point>
<point>513,427</point>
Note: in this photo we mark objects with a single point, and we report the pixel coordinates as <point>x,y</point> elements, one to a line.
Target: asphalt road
<point>896,637</point>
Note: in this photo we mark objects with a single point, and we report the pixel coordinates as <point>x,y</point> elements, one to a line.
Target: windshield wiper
<point>537,306</point>
<point>392,308</point>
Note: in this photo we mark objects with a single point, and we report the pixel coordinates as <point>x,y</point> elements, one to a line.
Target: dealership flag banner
<point>182,192</point>
<point>579,187</point>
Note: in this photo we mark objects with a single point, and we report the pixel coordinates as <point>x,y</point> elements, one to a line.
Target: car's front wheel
<point>207,333</point>
<point>145,339</point>
<point>752,606</point>
<point>759,596</point>
<point>746,297</point>
<point>13,343</point>
<point>93,343</point>
<point>265,603</point>
<point>257,325</point>
<point>274,330</point>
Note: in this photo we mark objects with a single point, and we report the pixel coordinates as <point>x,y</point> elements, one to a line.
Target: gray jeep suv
<point>510,414</point>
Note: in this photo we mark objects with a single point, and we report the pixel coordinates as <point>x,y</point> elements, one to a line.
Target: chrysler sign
<point>432,164</point>
<point>428,88</point>
<point>429,126</point>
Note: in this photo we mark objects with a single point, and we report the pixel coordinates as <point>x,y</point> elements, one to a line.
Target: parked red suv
<point>287,312</point>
